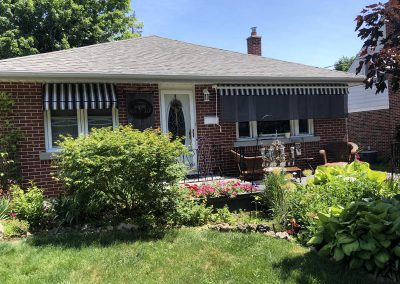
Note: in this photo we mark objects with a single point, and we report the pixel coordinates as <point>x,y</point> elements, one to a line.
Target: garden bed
<point>243,201</point>
<point>233,193</point>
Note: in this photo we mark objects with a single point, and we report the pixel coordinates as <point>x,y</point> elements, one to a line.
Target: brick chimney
<point>254,43</point>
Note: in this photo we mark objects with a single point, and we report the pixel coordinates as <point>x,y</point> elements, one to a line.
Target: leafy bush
<point>364,234</point>
<point>278,186</point>
<point>306,201</point>
<point>223,215</point>
<point>4,208</point>
<point>334,186</point>
<point>30,206</point>
<point>355,170</point>
<point>14,228</point>
<point>190,213</point>
<point>131,172</point>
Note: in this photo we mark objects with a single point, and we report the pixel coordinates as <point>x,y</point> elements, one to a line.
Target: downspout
<point>215,87</point>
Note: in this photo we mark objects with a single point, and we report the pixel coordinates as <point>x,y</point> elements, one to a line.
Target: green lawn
<point>178,256</point>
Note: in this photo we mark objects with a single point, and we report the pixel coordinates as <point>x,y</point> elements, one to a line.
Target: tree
<point>344,63</point>
<point>382,63</point>
<point>37,26</point>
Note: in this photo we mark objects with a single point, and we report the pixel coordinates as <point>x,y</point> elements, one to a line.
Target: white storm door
<point>178,118</point>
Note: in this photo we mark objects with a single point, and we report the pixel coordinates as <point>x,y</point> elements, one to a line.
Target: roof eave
<point>123,78</point>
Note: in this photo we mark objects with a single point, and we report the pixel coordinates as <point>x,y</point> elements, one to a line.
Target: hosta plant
<point>366,234</point>
<point>357,169</point>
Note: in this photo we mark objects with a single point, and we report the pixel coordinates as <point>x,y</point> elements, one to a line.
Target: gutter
<point>140,78</point>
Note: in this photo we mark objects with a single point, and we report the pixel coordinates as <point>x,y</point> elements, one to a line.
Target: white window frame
<point>294,130</point>
<point>82,119</point>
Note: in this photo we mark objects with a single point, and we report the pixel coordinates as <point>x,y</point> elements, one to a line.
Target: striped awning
<point>282,89</point>
<point>282,102</point>
<point>60,96</point>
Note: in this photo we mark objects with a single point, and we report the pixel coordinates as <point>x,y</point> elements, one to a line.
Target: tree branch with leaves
<point>380,54</point>
<point>30,27</point>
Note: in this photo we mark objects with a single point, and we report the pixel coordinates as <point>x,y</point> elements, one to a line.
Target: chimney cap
<point>253,31</point>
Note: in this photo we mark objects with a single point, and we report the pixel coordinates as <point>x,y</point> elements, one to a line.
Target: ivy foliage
<point>9,138</point>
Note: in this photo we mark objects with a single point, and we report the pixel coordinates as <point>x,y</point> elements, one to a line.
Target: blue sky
<point>313,32</point>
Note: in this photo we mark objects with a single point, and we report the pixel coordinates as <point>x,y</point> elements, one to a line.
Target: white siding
<point>361,99</point>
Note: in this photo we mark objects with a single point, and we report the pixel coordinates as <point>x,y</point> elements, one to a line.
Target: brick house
<point>211,96</point>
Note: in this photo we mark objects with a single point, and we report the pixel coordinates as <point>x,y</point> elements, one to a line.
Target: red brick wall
<point>28,117</point>
<point>376,128</point>
<point>371,128</point>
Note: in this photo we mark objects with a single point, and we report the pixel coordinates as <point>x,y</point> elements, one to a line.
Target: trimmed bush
<point>124,170</point>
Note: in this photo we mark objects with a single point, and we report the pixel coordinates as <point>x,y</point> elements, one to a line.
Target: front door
<point>177,118</point>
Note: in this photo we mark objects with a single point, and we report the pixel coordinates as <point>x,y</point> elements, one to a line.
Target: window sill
<point>269,140</point>
<point>48,155</point>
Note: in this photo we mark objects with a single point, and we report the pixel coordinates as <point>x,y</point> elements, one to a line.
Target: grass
<point>176,256</point>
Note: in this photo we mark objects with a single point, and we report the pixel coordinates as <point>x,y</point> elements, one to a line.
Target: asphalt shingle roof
<point>161,58</point>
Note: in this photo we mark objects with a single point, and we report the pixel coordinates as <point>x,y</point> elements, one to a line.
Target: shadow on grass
<point>312,268</point>
<point>103,239</point>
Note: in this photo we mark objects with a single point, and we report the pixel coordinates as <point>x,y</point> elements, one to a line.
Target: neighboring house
<point>217,99</point>
<point>372,117</point>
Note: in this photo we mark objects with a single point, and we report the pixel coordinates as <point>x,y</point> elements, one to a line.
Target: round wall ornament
<point>140,108</point>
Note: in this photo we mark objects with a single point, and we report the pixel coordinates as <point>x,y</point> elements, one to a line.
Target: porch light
<point>206,94</point>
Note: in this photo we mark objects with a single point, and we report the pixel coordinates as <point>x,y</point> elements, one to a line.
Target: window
<point>244,129</point>
<point>303,126</point>
<point>63,123</point>
<point>98,118</point>
<point>279,127</point>
<point>252,129</point>
<point>75,122</point>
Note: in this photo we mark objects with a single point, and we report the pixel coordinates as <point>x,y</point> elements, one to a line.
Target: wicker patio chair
<point>338,153</point>
<point>248,166</point>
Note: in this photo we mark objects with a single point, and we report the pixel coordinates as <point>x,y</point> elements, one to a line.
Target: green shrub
<point>14,228</point>
<point>355,170</point>
<point>338,186</point>
<point>130,172</point>
<point>364,234</point>
<point>223,215</point>
<point>30,206</point>
<point>306,201</point>
<point>190,213</point>
<point>278,186</point>
<point>4,208</point>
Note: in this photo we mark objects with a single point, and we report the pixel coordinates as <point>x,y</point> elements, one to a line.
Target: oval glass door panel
<point>176,119</point>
